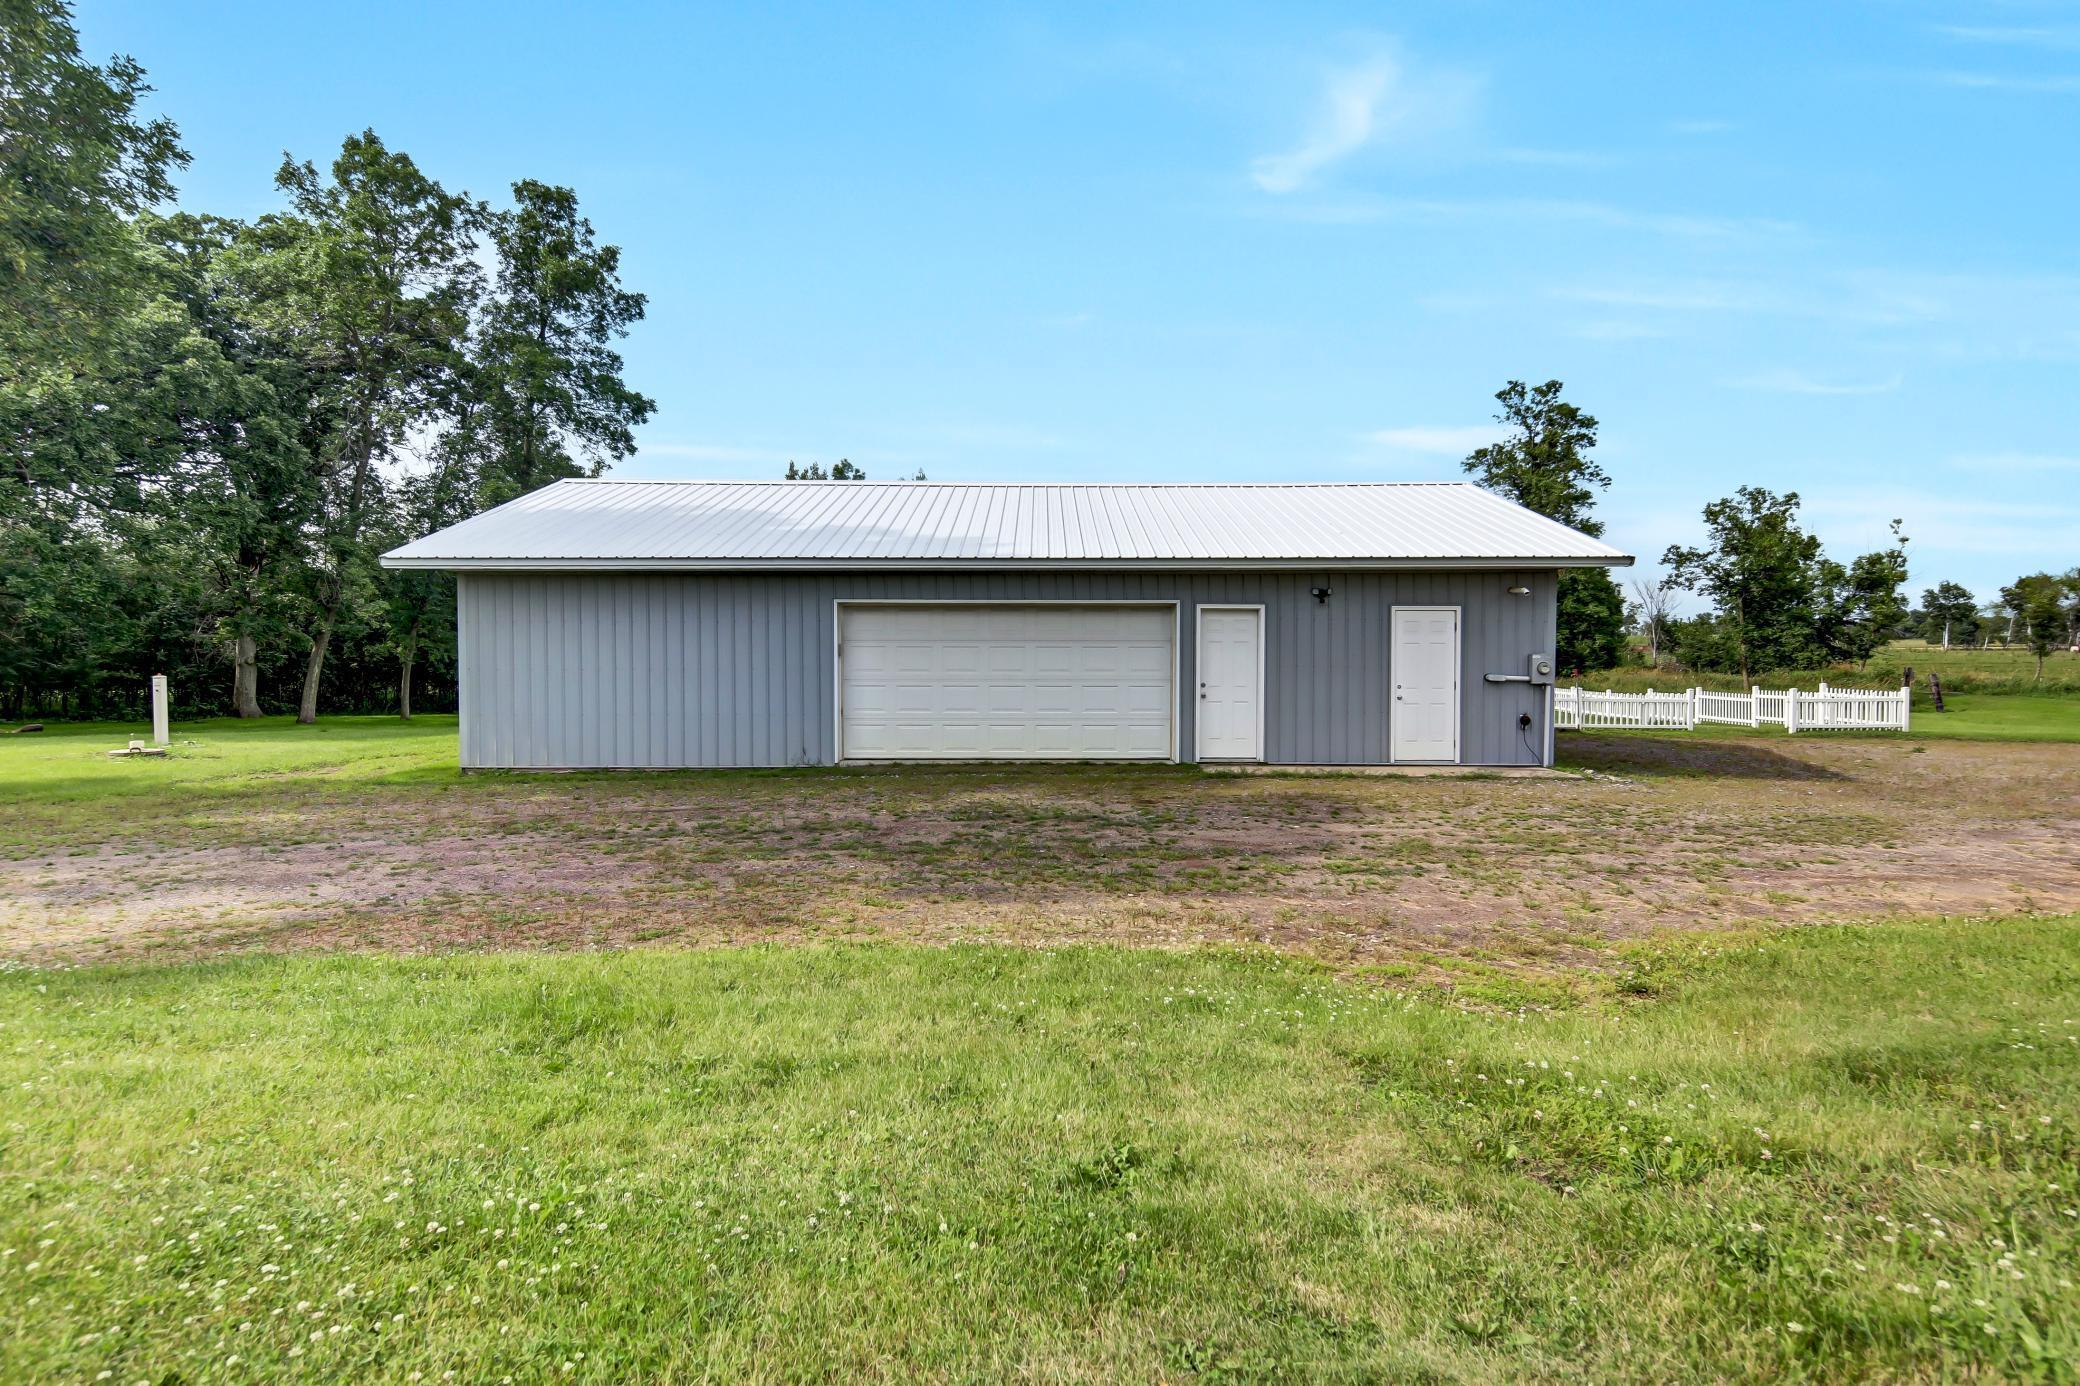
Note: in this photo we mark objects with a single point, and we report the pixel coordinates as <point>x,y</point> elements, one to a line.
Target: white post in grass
<point>1754,704</point>
<point>1791,710</point>
<point>161,735</point>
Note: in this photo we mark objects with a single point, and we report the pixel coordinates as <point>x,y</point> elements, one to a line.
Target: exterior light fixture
<point>1320,594</point>
<point>1520,590</point>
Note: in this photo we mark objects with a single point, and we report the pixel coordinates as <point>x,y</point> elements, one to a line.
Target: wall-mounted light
<point>1320,594</point>
<point>1520,591</point>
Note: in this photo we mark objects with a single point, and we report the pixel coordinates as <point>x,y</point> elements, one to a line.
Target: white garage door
<point>1006,682</point>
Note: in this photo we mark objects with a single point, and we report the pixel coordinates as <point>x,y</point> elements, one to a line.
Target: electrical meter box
<point>1541,668</point>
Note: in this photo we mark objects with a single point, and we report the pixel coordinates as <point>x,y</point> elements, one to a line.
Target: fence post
<point>1791,711</point>
<point>1824,708</point>
<point>1693,708</point>
<point>1754,705</point>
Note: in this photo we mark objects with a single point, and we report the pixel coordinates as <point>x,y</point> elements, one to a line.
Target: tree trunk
<point>307,709</point>
<point>404,682</point>
<point>245,678</point>
<point>1946,635</point>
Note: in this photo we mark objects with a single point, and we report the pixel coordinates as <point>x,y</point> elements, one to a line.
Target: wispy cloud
<point>1447,441</point>
<point>1359,106</point>
<point>2064,37</point>
<point>1557,158</point>
<point>1450,211</point>
<point>1617,330</point>
<point>1347,123</point>
<point>1783,381</point>
<point>1942,522</point>
<point>1699,127</point>
<point>2056,84</point>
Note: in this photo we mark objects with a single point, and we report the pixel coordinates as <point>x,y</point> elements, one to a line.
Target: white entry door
<point>1425,712</point>
<point>1231,683</point>
<point>988,681</point>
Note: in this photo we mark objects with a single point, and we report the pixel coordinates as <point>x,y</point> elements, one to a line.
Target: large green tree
<point>370,273</point>
<point>1860,607</point>
<point>1949,610</point>
<point>1544,465</point>
<point>247,486</point>
<point>77,161</point>
<point>1758,567</point>
<point>2038,602</point>
<point>548,397</point>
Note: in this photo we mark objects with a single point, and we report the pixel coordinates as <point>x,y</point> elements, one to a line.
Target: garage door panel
<point>1007,681</point>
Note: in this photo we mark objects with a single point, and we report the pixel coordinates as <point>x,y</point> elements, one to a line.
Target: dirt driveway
<point>1668,831</point>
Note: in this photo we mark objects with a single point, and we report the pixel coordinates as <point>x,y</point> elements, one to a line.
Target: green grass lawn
<point>1825,1154</point>
<point>1993,670</point>
<point>1969,717</point>
<point>69,761</point>
<point>1994,717</point>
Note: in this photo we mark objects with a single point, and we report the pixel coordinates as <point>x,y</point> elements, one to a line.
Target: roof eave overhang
<point>987,565</point>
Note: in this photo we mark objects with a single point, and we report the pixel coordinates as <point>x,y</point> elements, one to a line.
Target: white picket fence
<point>1794,709</point>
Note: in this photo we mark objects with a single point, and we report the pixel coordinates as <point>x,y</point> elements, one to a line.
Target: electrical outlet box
<point>1541,668</point>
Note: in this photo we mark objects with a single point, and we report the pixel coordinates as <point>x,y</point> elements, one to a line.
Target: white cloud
<point>2002,81</point>
<point>1784,381</point>
<point>1548,210</point>
<point>1699,127</point>
<point>1617,330</point>
<point>1557,158</point>
<point>2061,37</point>
<point>1940,524</point>
<point>1348,121</point>
<point>1361,105</point>
<point>1454,441</point>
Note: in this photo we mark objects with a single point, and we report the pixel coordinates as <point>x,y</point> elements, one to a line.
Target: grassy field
<point>1993,670</point>
<point>1966,717</point>
<point>1825,1154</point>
<point>1419,1080</point>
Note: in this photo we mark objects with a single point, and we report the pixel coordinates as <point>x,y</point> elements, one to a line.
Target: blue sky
<point>1825,247</point>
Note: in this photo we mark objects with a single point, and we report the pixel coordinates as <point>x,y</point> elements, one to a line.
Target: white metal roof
<point>910,524</point>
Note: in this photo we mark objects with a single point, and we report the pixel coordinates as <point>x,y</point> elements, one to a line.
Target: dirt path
<point>1667,831</point>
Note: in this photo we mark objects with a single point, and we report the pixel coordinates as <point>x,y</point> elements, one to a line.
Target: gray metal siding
<point>565,670</point>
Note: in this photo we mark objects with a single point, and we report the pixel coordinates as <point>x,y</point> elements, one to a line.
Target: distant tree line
<point>209,428</point>
<point>2038,611</point>
<point>1779,603</point>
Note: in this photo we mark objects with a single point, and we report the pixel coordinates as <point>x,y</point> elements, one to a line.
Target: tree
<point>2037,602</point>
<point>841,470</point>
<point>1758,567</point>
<point>1590,617</point>
<point>76,161</point>
<point>370,273</point>
<point>1858,609</point>
<point>1653,606</point>
<point>550,397</point>
<point>1951,607</point>
<point>419,604</point>
<point>1544,465</point>
<point>247,489</point>
<point>2069,582</point>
